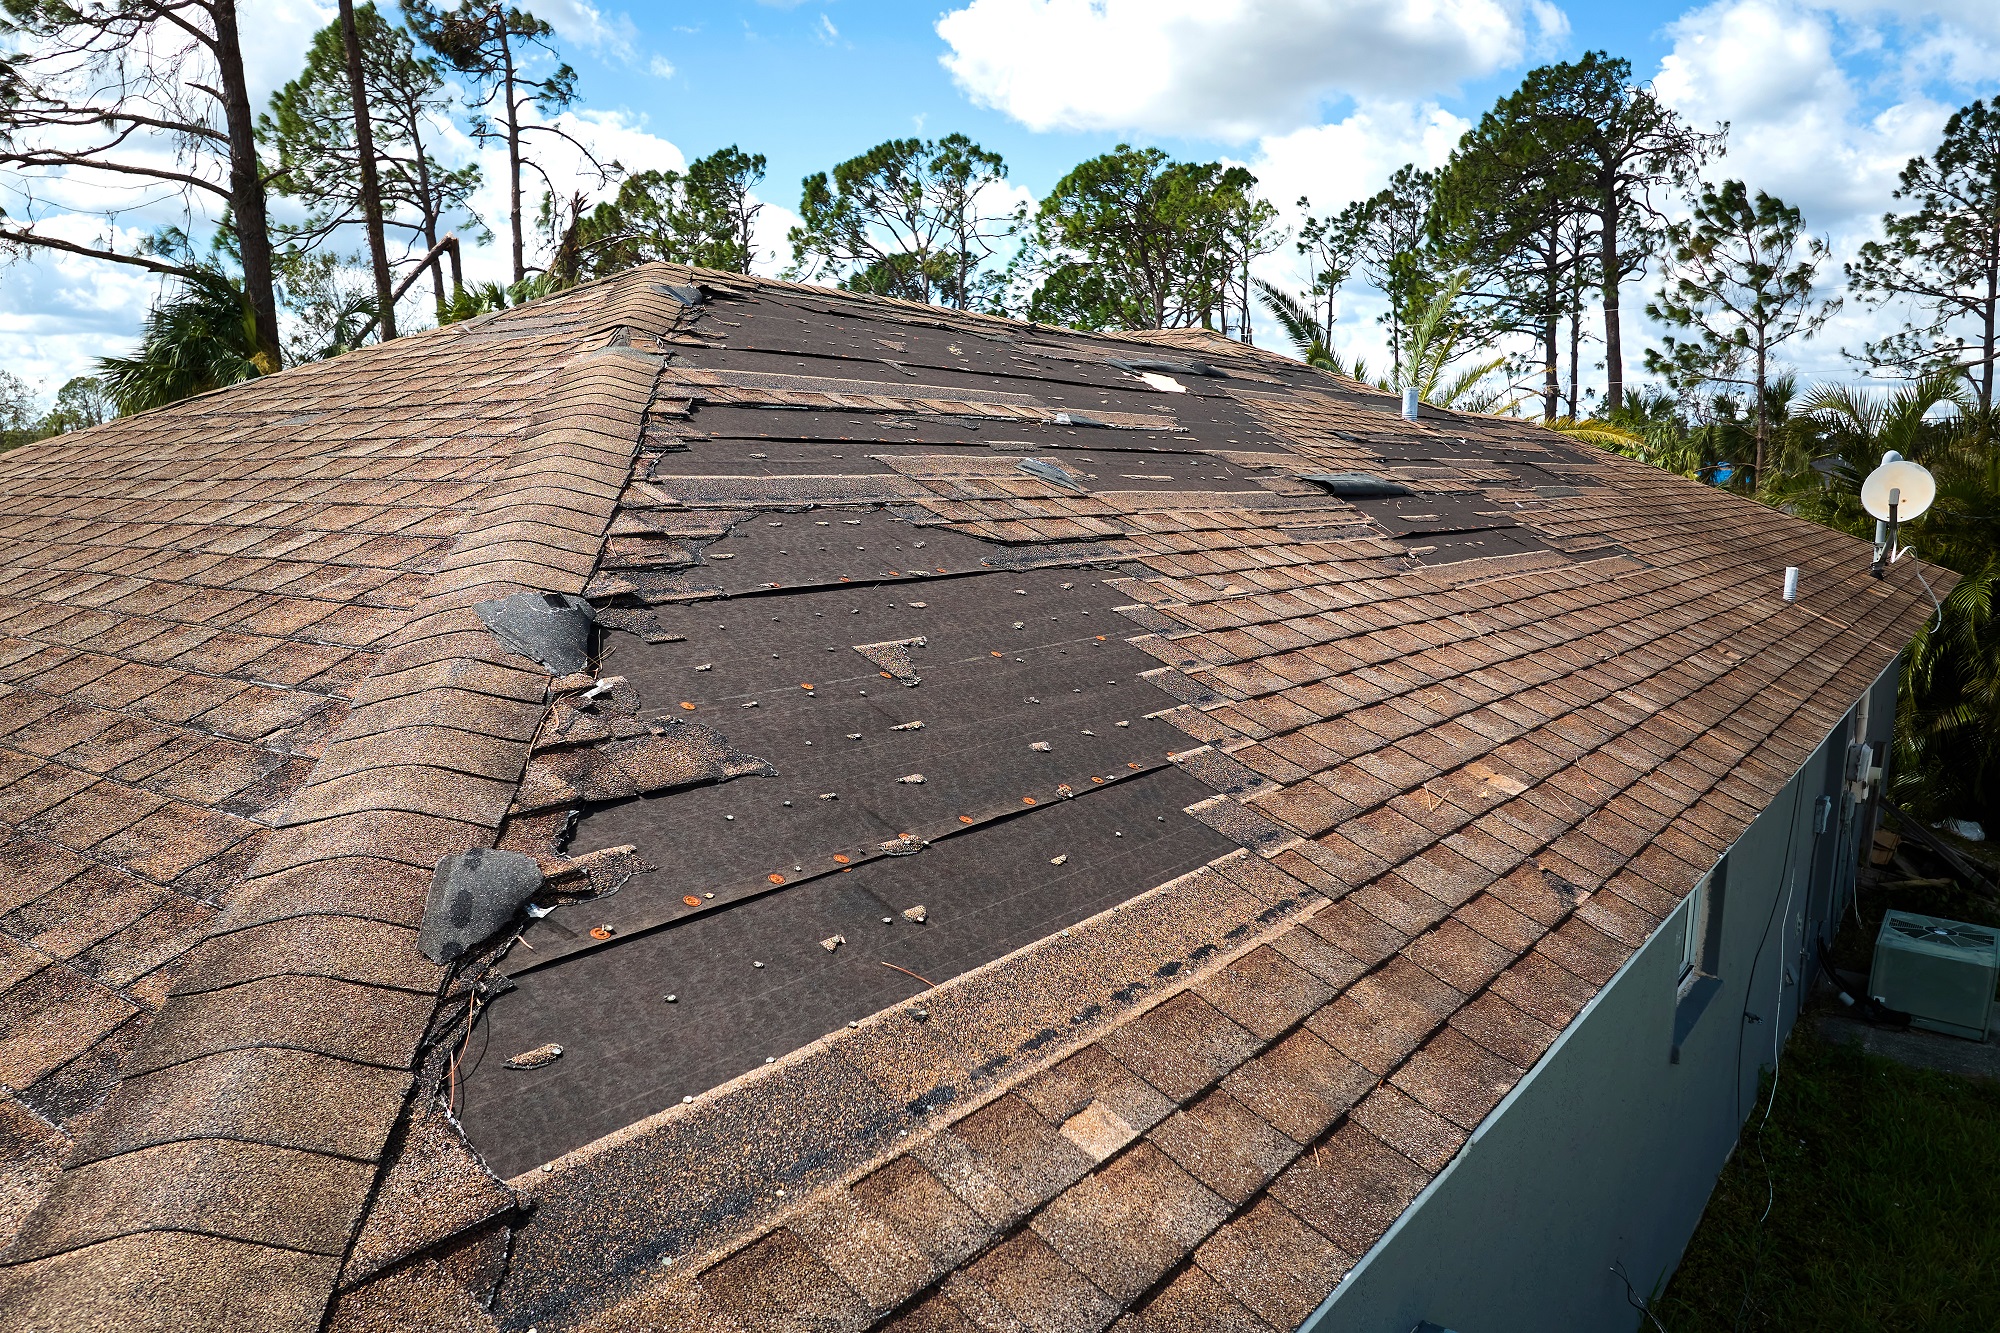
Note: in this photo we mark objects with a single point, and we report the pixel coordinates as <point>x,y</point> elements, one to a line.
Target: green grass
<point>1884,1211</point>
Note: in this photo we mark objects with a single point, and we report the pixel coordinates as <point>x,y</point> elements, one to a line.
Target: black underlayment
<point>627,1052</point>
<point>826,595</point>
<point>1011,716</point>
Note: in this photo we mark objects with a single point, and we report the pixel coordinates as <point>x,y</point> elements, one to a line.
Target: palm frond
<point>201,337</point>
<point>1603,434</point>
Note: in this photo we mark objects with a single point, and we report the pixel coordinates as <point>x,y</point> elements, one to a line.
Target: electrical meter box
<point>1942,973</point>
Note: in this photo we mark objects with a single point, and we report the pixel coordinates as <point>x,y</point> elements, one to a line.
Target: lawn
<point>1883,1213</point>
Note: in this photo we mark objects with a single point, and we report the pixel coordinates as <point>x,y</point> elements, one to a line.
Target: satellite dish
<point>1912,485</point>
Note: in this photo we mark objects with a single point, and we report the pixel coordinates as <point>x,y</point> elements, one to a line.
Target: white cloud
<point>59,313</point>
<point>773,251</point>
<point>1335,164</point>
<point>583,24</point>
<point>1799,125</point>
<point>1223,68</point>
<point>1824,111</point>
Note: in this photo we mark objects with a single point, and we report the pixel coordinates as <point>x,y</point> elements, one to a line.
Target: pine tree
<point>1741,280</point>
<point>1943,257</point>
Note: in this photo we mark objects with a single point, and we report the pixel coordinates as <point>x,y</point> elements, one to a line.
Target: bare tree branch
<point>10,236</point>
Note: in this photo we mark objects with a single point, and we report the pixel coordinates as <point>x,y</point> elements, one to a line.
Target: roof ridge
<point>348,857</point>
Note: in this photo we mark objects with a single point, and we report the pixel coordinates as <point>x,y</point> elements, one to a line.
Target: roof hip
<point>241,1216</point>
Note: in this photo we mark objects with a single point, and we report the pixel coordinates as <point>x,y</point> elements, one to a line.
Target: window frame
<point>1701,948</point>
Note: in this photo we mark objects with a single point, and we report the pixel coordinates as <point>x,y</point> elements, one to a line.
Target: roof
<point>1231,952</point>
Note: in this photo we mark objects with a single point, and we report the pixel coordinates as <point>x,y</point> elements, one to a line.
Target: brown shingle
<point>1264,992</point>
<point>279,1197</point>
<point>1351,1188</point>
<point>1273,1264</point>
<point>1456,1078</point>
<point>1224,1146</point>
<point>1180,1046</point>
<point>778,1283</point>
<point>1193,1303</point>
<point>1022,1282</point>
<point>1426,1139</point>
<point>51,1016</point>
<point>1124,1225</point>
<point>923,1211</point>
<point>1300,1086</point>
<point>1013,1144</point>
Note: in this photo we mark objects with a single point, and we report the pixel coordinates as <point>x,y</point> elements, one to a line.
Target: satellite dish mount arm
<point>1886,553</point>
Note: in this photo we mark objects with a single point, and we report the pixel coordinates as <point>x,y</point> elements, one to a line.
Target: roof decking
<point>1446,760</point>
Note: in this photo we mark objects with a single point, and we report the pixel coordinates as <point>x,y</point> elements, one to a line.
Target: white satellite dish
<point>1908,486</point>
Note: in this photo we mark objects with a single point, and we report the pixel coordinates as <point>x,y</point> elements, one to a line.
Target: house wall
<point>1606,1152</point>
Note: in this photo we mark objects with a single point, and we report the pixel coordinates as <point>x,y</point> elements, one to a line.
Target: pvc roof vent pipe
<point>1409,404</point>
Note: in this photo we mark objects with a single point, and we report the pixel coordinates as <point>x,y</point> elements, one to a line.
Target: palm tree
<point>1302,328</point>
<point>1948,726</point>
<point>1434,341</point>
<point>202,337</point>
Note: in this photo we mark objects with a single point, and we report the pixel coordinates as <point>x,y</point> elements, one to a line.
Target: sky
<point>1825,100</point>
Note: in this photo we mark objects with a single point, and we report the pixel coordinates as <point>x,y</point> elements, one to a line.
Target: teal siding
<point>1606,1153</point>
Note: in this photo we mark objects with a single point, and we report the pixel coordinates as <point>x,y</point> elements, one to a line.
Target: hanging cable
<point>1634,1299</point>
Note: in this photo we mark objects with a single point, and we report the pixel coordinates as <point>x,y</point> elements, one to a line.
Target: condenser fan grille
<point>1957,937</point>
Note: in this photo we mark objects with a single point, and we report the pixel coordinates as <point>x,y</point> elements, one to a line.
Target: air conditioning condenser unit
<point>1942,973</point>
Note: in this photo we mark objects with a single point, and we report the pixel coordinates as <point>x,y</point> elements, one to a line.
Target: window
<point>1696,928</point>
<point>1701,949</point>
<point>1701,953</point>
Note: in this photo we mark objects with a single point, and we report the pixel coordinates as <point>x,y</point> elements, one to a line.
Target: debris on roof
<point>546,1054</point>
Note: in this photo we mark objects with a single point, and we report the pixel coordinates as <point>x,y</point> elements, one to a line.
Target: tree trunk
<point>1614,343</point>
<point>1575,355</point>
<point>513,157</point>
<point>1763,427</point>
<point>246,189</point>
<point>1551,374</point>
<point>371,187</point>
<point>1986,344</point>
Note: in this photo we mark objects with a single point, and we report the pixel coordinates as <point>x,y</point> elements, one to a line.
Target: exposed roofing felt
<point>1405,780</point>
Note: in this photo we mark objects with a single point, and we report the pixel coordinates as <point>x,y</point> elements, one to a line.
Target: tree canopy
<point>1943,257</point>
<point>1136,240</point>
<point>914,218</point>
<point>1741,282</point>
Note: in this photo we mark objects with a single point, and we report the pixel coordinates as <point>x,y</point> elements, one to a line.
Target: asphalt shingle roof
<point>1456,754</point>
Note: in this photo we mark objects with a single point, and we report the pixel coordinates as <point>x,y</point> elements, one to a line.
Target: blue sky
<point>1826,99</point>
<point>771,79</point>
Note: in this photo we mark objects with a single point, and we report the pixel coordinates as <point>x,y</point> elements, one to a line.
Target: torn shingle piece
<point>474,895</point>
<point>551,628</point>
